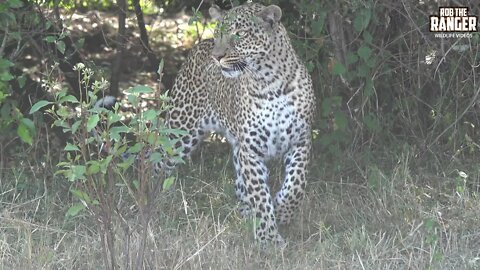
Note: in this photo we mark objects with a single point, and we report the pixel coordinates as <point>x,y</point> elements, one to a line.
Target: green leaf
<point>368,88</point>
<point>119,149</point>
<point>17,35</point>
<point>79,43</point>
<point>104,163</point>
<point>6,76</point>
<point>37,106</point>
<point>9,17</point>
<point>358,23</point>
<point>150,115</point>
<point>372,62</point>
<point>50,39</point>
<point>15,3</point>
<point>136,148</point>
<point>362,20</point>
<point>93,168</point>
<point>341,121</point>
<point>63,112</point>
<point>75,126</point>
<point>77,172</point>
<point>61,123</point>
<point>3,96</point>
<point>167,183</point>
<point>24,133</point>
<point>160,67</point>
<point>61,46</point>
<point>113,117</point>
<point>4,63</point>
<point>363,70</point>
<point>171,131</point>
<point>62,164</point>
<point>71,147</point>
<point>167,144</point>
<point>152,138</point>
<point>136,184</point>
<point>74,210</point>
<point>48,24</point>
<point>367,37</point>
<point>310,66</point>
<point>155,157</point>
<point>128,162</point>
<point>372,123</point>
<point>60,94</point>
<point>139,89</point>
<point>317,25</point>
<point>115,132</point>
<point>351,58</point>
<point>178,160</point>
<point>21,81</point>
<point>69,99</point>
<point>132,99</point>
<point>364,52</point>
<point>81,195</point>
<point>338,69</point>
<point>29,124</point>
<point>92,122</point>
<point>329,103</point>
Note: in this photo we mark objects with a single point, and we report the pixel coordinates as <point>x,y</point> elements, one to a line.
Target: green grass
<point>405,218</point>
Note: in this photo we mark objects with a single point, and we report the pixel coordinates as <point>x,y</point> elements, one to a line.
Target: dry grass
<point>358,214</point>
<point>410,221</point>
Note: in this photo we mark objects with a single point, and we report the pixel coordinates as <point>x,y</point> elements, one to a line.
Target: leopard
<point>248,83</point>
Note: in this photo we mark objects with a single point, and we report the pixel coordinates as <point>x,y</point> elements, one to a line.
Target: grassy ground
<point>405,218</point>
<point>392,209</point>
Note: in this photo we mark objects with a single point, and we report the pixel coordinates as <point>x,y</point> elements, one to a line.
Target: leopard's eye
<point>237,35</point>
<point>241,33</point>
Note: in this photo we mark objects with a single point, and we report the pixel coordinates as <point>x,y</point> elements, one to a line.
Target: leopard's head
<point>243,36</point>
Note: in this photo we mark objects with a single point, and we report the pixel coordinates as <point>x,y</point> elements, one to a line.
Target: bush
<point>383,79</point>
<point>100,159</point>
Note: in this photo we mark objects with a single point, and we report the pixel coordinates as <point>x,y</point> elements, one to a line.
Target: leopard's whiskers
<point>250,70</point>
<point>211,67</point>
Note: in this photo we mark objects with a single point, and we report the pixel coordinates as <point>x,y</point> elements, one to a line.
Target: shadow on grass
<point>409,221</point>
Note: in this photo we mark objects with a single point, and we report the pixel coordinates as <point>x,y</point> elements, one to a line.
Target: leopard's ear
<point>271,14</point>
<point>216,13</point>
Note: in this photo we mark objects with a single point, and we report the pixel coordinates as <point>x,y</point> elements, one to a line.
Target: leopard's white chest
<point>276,127</point>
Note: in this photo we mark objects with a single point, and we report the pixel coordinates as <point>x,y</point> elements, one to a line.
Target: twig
<point>199,250</point>
<point>4,42</point>
<point>472,102</point>
<point>360,260</point>
<point>444,57</point>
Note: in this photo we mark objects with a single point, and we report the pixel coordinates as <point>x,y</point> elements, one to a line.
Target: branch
<point>4,42</point>
<point>120,46</point>
<point>472,102</point>
<point>152,58</point>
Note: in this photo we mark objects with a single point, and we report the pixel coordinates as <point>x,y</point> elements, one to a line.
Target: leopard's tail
<point>106,102</point>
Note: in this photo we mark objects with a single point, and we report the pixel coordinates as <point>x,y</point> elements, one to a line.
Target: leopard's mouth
<point>229,66</point>
<point>233,69</point>
<point>228,69</point>
<point>230,73</point>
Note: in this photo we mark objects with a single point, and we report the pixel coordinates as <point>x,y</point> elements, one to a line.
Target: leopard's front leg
<point>292,192</point>
<point>254,173</point>
<point>244,208</point>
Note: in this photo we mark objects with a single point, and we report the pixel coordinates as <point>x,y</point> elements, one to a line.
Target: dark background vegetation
<point>381,78</point>
<point>390,96</point>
